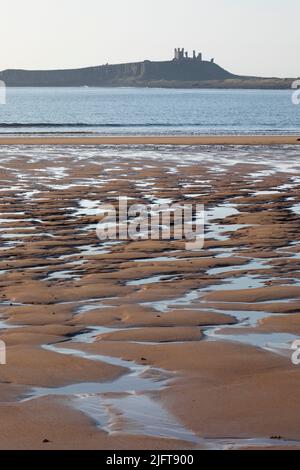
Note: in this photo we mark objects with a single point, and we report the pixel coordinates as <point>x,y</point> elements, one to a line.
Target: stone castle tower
<point>181,54</point>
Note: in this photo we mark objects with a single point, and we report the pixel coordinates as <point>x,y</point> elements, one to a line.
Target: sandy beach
<point>143,344</point>
<point>153,140</point>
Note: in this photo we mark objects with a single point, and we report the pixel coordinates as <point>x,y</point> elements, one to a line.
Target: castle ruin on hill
<point>181,54</point>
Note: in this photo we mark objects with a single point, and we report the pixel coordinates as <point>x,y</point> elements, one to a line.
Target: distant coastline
<point>180,72</point>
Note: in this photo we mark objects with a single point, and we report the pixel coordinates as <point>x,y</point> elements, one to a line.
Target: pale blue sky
<point>260,37</point>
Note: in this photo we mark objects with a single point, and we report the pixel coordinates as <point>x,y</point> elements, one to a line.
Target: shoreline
<point>156,140</point>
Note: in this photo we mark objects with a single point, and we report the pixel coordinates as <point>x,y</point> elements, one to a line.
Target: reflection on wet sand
<point>144,341</point>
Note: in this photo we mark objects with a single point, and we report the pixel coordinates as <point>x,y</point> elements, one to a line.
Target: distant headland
<point>182,71</point>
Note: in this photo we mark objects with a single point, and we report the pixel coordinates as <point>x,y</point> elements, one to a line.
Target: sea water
<point>127,111</point>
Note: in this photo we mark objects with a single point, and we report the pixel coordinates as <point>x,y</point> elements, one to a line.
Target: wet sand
<point>155,140</point>
<point>144,344</point>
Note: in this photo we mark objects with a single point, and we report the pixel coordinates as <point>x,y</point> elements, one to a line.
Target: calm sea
<point>128,111</point>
